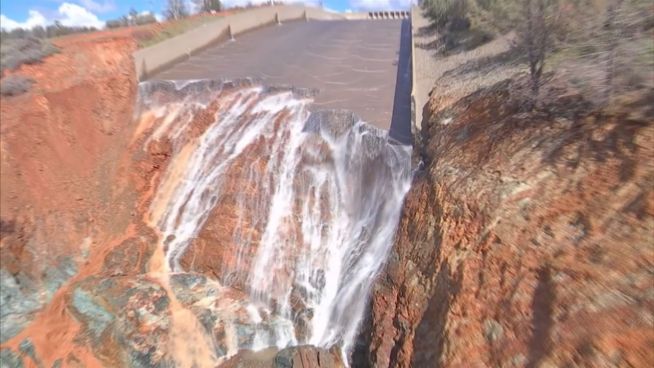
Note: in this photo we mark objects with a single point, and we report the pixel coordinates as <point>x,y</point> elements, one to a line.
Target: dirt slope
<point>62,194</point>
<point>526,240</point>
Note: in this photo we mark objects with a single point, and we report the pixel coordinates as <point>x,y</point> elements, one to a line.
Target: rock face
<point>231,230</point>
<point>526,240</point>
<point>305,356</point>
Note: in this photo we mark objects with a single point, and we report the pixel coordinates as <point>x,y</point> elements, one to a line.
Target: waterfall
<point>324,194</point>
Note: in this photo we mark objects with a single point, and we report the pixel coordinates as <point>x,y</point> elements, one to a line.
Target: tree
<point>612,32</point>
<point>145,19</point>
<point>208,6</point>
<point>534,32</point>
<point>132,16</point>
<point>444,12</point>
<point>176,9</point>
<point>115,23</point>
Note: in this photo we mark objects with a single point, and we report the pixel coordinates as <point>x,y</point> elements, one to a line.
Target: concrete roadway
<point>353,63</point>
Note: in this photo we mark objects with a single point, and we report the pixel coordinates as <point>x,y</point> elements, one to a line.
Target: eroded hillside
<point>527,237</point>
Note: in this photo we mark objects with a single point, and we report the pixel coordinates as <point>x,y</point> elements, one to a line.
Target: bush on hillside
<point>459,24</point>
<point>208,6</point>
<point>15,85</point>
<point>54,30</point>
<point>448,12</point>
<point>17,51</point>
<point>606,47</point>
<point>132,19</point>
<point>176,9</point>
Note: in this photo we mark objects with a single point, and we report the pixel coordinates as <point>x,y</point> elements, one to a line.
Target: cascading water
<point>325,196</point>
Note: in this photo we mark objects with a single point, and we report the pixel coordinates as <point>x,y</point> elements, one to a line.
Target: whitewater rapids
<point>327,203</point>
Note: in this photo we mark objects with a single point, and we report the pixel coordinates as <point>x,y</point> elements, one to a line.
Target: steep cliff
<point>61,147</point>
<point>526,240</point>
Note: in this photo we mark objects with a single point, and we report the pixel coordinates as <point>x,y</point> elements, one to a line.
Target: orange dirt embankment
<point>527,239</point>
<point>62,142</point>
<point>71,188</point>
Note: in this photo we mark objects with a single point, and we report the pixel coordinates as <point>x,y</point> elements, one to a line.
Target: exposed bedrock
<point>61,146</point>
<point>526,240</point>
<point>293,357</point>
<point>244,220</point>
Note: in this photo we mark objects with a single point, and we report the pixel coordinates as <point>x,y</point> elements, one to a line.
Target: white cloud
<point>73,15</point>
<point>35,19</point>
<point>98,7</point>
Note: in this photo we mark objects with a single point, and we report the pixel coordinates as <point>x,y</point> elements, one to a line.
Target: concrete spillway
<point>352,63</point>
<point>315,201</point>
<point>317,185</point>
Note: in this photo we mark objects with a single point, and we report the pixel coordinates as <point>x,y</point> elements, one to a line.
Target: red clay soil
<point>63,193</point>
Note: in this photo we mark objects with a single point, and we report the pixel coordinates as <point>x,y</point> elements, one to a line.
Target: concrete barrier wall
<point>416,106</point>
<point>320,14</point>
<point>154,58</point>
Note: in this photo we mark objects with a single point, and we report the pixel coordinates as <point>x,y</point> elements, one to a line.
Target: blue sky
<point>28,13</point>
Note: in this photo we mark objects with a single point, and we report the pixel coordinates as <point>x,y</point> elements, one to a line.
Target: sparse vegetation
<point>448,12</point>
<point>606,47</point>
<point>132,19</point>
<point>54,30</point>
<point>176,9</point>
<point>15,85</point>
<point>535,28</point>
<point>172,29</point>
<point>460,29</point>
<point>209,6</point>
<point>17,51</point>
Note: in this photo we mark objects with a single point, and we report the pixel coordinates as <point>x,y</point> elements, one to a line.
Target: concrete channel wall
<point>416,102</point>
<point>154,58</point>
<point>422,67</point>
